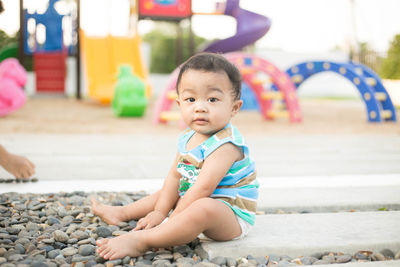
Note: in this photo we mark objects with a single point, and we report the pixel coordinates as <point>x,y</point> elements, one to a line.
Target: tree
<point>163,47</point>
<point>391,64</point>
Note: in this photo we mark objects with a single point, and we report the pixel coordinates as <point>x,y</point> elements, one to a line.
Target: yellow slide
<point>102,57</point>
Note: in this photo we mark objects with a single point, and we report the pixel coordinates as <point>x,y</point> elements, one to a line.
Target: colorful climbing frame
<point>377,100</point>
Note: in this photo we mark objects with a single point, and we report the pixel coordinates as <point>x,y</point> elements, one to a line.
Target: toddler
<point>211,187</point>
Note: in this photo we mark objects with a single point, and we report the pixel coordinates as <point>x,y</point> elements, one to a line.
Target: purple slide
<point>250,28</point>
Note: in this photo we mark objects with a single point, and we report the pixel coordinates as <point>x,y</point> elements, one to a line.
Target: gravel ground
<point>60,230</point>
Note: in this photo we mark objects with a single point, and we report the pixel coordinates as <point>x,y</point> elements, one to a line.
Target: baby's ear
<point>236,106</point>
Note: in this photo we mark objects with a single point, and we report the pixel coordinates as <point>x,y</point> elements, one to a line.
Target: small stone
<point>2,251</point>
<point>79,258</point>
<point>86,241</point>
<point>79,264</point>
<point>69,251</point>
<point>126,260</point>
<point>53,220</point>
<point>397,256</point>
<point>60,236</point>
<point>86,250</point>
<point>118,233</point>
<point>48,240</point>
<point>344,258</point>
<point>20,248</point>
<point>54,253</point>
<point>230,262</point>
<point>379,256</point>
<point>360,256</point>
<point>330,259</point>
<point>72,241</point>
<point>219,260</point>
<point>16,257</point>
<point>387,253</point>
<point>79,235</point>
<point>90,263</point>
<point>103,231</point>
<point>199,250</point>
<point>114,262</point>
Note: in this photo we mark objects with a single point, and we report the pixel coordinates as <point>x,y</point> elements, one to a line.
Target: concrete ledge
<point>394,263</point>
<point>298,235</point>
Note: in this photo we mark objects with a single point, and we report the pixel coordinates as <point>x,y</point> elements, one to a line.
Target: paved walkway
<point>88,156</point>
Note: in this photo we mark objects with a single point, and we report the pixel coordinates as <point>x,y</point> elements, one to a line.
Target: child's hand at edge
<point>19,166</point>
<point>151,220</point>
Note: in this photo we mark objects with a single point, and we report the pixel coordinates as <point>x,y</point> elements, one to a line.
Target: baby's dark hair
<point>213,63</point>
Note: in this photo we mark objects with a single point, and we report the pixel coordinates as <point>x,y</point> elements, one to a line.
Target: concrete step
<point>288,194</point>
<point>298,235</point>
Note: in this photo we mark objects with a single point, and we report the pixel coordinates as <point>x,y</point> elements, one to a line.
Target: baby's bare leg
<point>206,215</point>
<point>133,211</point>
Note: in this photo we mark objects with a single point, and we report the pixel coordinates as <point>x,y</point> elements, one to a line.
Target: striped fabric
<point>239,188</point>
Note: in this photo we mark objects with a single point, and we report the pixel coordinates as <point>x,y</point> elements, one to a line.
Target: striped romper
<point>239,188</point>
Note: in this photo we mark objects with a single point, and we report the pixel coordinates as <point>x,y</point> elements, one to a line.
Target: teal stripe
<point>248,217</point>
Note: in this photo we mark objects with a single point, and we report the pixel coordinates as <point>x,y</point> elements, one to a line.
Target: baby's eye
<point>212,99</point>
<point>190,99</point>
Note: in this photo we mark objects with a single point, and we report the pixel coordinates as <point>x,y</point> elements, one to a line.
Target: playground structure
<point>377,100</point>
<point>129,95</point>
<point>102,71</point>
<point>12,80</point>
<point>49,56</point>
<point>279,99</point>
<point>250,27</point>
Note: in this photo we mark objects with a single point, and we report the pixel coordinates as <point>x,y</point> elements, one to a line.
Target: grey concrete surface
<point>147,157</point>
<point>286,194</point>
<point>298,235</point>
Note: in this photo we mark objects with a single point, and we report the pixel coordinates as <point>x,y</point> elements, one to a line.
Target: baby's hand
<point>151,220</point>
<point>19,166</point>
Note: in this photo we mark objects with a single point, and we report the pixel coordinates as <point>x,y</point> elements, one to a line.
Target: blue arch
<point>301,72</point>
<point>386,104</point>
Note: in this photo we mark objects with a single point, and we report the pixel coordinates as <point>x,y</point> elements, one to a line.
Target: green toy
<point>129,95</point>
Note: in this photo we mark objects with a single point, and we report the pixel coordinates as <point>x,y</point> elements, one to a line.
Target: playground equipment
<point>50,56</point>
<point>377,100</point>
<point>103,55</point>
<point>250,27</point>
<point>12,78</point>
<point>129,97</point>
<point>254,71</point>
<point>250,67</point>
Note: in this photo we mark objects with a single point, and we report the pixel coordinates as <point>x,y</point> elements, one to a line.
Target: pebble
<point>60,236</point>
<point>103,231</point>
<point>344,258</point>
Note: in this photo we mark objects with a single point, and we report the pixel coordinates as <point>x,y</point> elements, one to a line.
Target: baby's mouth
<point>200,121</point>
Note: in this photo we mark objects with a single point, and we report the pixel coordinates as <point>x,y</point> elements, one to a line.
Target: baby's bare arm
<point>214,169</point>
<point>19,166</point>
<point>165,202</point>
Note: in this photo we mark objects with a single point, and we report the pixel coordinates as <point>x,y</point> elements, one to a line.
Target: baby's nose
<point>201,106</point>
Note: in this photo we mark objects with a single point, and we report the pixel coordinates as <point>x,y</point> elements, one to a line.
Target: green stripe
<point>248,217</point>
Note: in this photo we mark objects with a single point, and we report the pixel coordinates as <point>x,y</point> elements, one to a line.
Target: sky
<point>297,25</point>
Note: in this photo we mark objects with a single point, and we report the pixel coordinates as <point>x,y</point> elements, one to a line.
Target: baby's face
<point>206,100</point>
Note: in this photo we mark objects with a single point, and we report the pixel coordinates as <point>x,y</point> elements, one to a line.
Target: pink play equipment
<point>279,103</point>
<point>12,79</point>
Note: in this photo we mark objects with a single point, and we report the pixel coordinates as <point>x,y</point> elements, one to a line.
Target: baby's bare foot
<point>109,214</point>
<point>129,244</point>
